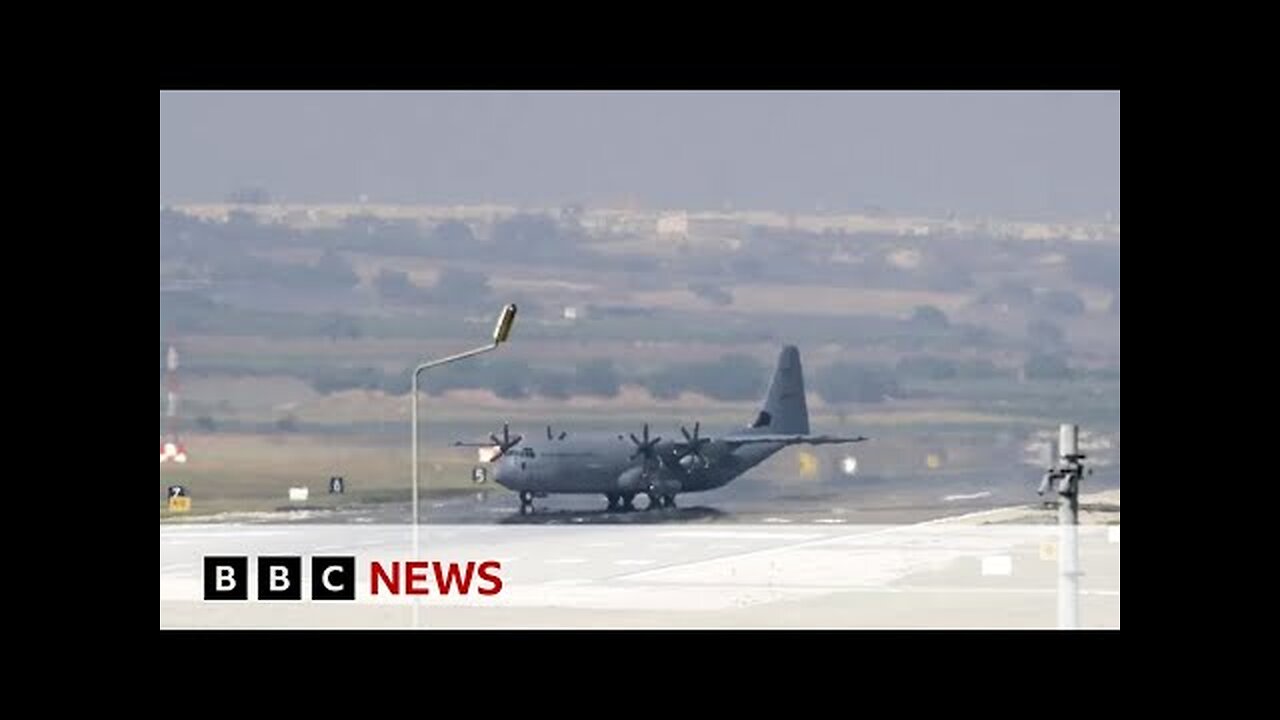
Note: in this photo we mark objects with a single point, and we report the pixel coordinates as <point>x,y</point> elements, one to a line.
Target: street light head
<point>503,329</point>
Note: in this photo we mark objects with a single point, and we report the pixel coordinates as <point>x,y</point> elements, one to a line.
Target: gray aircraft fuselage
<point>603,463</point>
<point>621,465</point>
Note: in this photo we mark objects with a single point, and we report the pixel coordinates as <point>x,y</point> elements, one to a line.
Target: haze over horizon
<point>1016,155</point>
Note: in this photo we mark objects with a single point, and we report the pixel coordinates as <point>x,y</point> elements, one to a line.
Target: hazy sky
<point>1041,154</point>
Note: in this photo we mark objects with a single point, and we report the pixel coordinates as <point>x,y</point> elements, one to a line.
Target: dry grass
<point>255,472</point>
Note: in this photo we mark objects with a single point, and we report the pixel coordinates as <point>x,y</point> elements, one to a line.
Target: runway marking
<point>970,496</point>
<point>892,589</point>
<point>776,520</point>
<point>737,535</point>
<point>227,534</point>
<point>830,521</point>
<point>997,565</point>
<point>781,549</point>
<point>566,561</point>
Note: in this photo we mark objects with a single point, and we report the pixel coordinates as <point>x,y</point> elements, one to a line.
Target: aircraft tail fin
<point>785,410</point>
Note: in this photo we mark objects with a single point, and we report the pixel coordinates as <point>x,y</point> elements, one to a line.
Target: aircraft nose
<point>497,472</point>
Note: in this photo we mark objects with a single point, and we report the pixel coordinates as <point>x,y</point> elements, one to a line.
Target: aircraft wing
<point>791,439</point>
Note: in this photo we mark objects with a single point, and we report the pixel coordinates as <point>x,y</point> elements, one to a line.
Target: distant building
<point>673,225</point>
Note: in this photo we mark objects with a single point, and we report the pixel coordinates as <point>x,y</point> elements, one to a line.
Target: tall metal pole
<point>414,445</point>
<point>1068,553</point>
<point>1068,527</point>
<point>500,334</point>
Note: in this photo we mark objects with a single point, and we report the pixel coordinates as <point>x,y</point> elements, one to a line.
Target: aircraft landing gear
<point>526,502</point>
<point>655,501</point>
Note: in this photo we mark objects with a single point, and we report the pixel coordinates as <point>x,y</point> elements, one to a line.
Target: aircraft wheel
<point>526,502</point>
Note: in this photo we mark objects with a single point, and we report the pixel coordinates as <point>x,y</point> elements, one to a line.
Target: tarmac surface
<point>859,500</point>
<point>730,565</point>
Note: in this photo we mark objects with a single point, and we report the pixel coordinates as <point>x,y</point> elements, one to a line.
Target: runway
<point>986,568</point>
<point>749,500</point>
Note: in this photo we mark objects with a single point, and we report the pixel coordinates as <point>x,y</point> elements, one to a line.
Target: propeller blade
<point>686,433</point>
<point>635,439</point>
<point>495,439</point>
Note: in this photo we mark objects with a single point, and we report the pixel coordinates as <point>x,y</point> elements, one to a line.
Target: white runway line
<point>997,565</point>
<point>830,521</point>
<point>228,533</point>
<point>845,535</point>
<point>776,520</point>
<point>738,535</point>
<point>970,496</point>
<point>903,589</point>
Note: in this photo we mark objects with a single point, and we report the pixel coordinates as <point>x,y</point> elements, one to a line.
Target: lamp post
<point>501,332</point>
<point>1065,479</point>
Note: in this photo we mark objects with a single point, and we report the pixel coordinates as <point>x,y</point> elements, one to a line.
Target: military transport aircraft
<point>622,466</point>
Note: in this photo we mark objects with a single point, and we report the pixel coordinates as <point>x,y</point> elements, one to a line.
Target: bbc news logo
<point>226,577</point>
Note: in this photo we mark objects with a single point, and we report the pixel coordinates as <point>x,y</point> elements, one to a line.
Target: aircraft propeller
<point>563,434</point>
<point>690,452</point>
<point>646,448</point>
<point>506,443</point>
